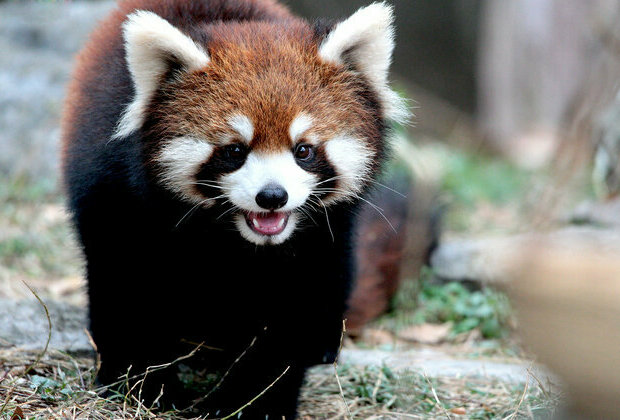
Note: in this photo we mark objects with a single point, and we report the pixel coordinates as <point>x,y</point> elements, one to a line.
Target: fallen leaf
<point>18,414</point>
<point>426,333</point>
<point>376,337</point>
<point>66,286</point>
<point>458,410</point>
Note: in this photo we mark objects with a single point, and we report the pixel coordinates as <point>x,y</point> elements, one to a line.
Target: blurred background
<point>513,161</point>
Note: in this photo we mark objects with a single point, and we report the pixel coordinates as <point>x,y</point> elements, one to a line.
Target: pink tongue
<point>267,223</point>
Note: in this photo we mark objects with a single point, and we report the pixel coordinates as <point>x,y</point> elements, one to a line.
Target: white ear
<point>151,45</point>
<point>366,41</point>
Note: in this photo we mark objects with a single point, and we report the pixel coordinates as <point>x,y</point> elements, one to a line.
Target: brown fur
<point>257,57</point>
<point>247,57</point>
<point>105,45</point>
<point>379,259</point>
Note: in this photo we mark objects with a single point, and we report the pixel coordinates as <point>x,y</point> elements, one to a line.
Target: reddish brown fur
<point>105,46</point>
<point>249,57</point>
<point>269,72</point>
<point>379,257</point>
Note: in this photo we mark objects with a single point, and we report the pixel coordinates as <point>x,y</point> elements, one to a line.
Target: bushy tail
<point>396,235</point>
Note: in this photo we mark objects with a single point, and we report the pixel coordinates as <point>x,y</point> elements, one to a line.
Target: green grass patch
<point>23,190</point>
<point>471,178</point>
<point>380,392</point>
<point>472,181</point>
<point>428,302</point>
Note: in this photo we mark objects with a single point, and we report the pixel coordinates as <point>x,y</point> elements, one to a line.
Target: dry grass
<point>378,393</point>
<point>62,386</point>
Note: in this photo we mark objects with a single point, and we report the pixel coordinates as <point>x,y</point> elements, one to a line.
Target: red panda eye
<point>304,152</point>
<point>236,151</point>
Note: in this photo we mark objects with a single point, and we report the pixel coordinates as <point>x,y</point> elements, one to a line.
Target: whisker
<point>205,184</point>
<point>357,196</point>
<point>214,181</point>
<point>191,211</point>
<point>348,194</point>
<point>327,218</point>
<point>363,178</point>
<point>306,213</point>
<point>380,211</point>
<point>313,204</point>
<point>388,188</point>
<point>232,208</point>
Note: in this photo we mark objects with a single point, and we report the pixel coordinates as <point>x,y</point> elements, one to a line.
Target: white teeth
<point>281,223</point>
<point>255,222</point>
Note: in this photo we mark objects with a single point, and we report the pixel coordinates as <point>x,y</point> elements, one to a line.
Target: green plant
<point>427,302</point>
<point>50,389</point>
<point>452,302</point>
<point>471,178</point>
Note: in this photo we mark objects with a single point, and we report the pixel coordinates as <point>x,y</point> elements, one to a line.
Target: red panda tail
<point>386,256</point>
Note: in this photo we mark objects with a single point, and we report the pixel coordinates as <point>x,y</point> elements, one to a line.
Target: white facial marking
<point>243,126</point>
<point>262,169</point>
<point>150,41</point>
<point>258,171</point>
<point>180,160</point>
<point>367,39</point>
<point>351,158</point>
<point>299,126</point>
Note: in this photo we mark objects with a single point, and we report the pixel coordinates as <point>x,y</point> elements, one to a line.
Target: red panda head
<point>273,119</point>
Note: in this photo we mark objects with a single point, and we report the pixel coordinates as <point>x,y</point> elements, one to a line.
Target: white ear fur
<point>150,43</point>
<point>366,40</point>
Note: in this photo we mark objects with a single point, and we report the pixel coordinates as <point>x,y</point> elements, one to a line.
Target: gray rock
<point>468,259</point>
<point>435,363</point>
<point>496,260</point>
<point>23,323</point>
<point>606,171</point>
<point>606,213</point>
<point>38,41</point>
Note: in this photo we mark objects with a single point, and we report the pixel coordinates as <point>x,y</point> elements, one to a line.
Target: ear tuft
<point>152,44</point>
<point>365,41</point>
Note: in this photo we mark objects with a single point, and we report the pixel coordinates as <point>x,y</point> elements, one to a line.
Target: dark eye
<point>304,152</point>
<point>236,151</point>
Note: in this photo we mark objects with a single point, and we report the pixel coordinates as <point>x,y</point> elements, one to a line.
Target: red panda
<point>215,153</point>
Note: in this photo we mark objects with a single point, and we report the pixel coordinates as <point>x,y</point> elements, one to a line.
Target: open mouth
<point>269,224</point>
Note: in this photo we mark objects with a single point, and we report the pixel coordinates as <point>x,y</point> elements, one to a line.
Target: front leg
<point>319,325</point>
<point>261,382</point>
<point>131,328</point>
<point>276,398</point>
<point>131,318</point>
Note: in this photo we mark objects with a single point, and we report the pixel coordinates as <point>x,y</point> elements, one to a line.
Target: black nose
<point>272,197</point>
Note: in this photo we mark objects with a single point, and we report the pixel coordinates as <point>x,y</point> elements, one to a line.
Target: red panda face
<point>272,123</point>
